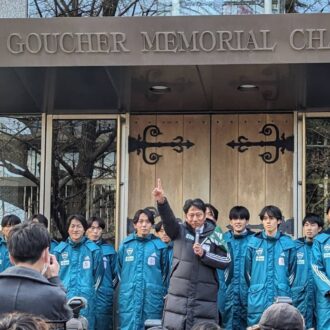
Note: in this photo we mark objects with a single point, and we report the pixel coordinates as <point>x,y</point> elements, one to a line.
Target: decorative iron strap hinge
<point>280,143</point>
<point>141,144</point>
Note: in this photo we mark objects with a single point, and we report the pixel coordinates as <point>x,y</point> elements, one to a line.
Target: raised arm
<point>171,226</point>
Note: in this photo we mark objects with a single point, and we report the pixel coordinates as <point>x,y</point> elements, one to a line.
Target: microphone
<point>197,234</point>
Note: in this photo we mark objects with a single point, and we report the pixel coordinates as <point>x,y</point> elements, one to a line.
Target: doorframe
<point>46,160</point>
<point>307,115</point>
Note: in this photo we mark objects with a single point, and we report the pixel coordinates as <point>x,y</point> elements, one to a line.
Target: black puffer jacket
<point>192,294</point>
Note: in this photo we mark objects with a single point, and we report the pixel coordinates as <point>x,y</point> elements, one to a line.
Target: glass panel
<point>20,143</point>
<point>317,164</point>
<point>161,8</point>
<point>84,171</point>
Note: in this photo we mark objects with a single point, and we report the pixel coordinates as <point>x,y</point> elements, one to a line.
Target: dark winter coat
<point>192,293</point>
<point>26,290</point>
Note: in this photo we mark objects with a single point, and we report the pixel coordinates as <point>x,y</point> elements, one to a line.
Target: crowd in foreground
<point>186,273</point>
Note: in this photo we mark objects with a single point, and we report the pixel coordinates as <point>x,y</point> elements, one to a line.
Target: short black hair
<point>272,211</point>
<point>41,219</point>
<point>197,202</point>
<point>150,215</point>
<point>213,209</point>
<point>313,218</point>
<point>158,226</point>
<point>10,220</point>
<point>239,212</point>
<point>99,220</point>
<point>78,217</point>
<point>27,241</point>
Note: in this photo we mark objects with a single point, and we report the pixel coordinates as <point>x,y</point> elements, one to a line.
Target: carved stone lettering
<point>67,42</point>
<point>310,39</point>
<point>206,41</point>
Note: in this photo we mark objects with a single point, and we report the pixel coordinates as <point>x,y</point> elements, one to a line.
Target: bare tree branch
<point>25,173</point>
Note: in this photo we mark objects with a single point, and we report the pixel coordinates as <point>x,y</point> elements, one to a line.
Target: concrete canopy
<point>109,65</point>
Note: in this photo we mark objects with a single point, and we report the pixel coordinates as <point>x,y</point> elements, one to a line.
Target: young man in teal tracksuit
<point>233,291</point>
<point>321,274</point>
<point>7,223</point>
<point>303,289</point>
<point>160,232</point>
<point>105,292</point>
<point>270,264</point>
<point>81,266</point>
<point>142,270</point>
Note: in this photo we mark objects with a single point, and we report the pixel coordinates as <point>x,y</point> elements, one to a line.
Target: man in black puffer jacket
<point>198,251</point>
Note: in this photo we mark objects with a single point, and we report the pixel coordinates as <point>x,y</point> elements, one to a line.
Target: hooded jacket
<point>303,289</point>
<point>192,293</point>
<point>321,274</point>
<point>4,255</point>
<point>104,295</point>
<point>142,271</point>
<point>233,287</point>
<point>81,272</point>
<point>270,268</point>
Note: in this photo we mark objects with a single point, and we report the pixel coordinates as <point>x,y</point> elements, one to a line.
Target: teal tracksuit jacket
<point>142,269</point>
<point>270,268</point>
<point>81,272</point>
<point>303,289</point>
<point>321,274</point>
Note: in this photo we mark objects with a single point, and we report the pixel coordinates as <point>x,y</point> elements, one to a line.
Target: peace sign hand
<point>158,193</point>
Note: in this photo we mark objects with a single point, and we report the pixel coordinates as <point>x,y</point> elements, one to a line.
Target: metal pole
<point>175,7</point>
<point>268,7</point>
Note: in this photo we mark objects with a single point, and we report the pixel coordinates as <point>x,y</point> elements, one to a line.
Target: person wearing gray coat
<point>198,251</point>
<point>32,285</point>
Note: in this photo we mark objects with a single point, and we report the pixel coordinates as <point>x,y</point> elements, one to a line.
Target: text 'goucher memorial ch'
<point>204,41</point>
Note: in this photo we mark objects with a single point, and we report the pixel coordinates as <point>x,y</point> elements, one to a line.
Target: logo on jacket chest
<point>129,255</point>
<point>190,237</point>
<point>300,258</point>
<point>281,259</point>
<point>152,259</point>
<point>65,259</point>
<point>87,263</point>
<point>326,253</point>
<point>259,255</point>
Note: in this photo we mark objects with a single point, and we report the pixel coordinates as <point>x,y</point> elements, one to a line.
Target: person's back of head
<point>22,321</point>
<point>281,316</point>
<point>206,325</point>
<point>27,241</point>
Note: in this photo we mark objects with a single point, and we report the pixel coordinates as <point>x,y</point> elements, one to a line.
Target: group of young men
<point>188,272</point>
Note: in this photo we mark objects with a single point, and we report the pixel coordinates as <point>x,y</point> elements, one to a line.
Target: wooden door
<point>226,160</point>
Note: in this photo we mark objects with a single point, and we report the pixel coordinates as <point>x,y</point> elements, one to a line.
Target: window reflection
<point>84,171</point>
<point>20,143</point>
<point>317,164</point>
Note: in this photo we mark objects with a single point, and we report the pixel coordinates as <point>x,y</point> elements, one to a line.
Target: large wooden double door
<point>227,160</point>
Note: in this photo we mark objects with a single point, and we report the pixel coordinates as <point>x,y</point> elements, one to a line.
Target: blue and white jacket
<point>270,269</point>
<point>321,274</point>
